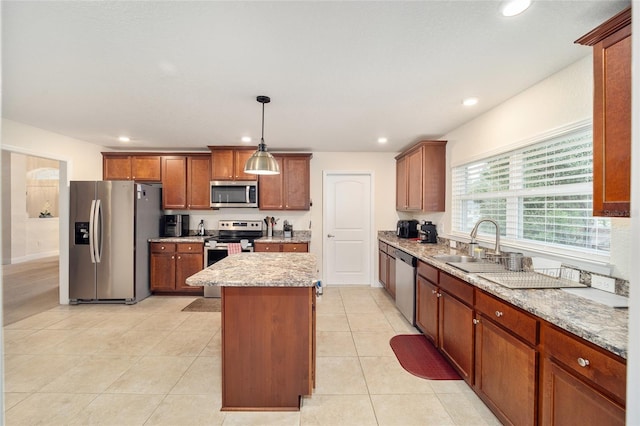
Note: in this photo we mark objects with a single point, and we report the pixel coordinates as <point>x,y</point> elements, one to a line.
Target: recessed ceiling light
<point>469,101</point>
<point>246,139</point>
<point>382,140</point>
<point>124,139</point>
<point>515,7</point>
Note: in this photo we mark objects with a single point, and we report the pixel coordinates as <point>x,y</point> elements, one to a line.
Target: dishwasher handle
<point>406,258</point>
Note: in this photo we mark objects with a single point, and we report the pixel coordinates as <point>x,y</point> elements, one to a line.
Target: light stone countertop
<point>259,270</point>
<point>278,237</point>
<point>189,239</point>
<point>597,323</point>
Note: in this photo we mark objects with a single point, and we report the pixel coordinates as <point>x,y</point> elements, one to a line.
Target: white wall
<point>79,160</point>
<point>560,100</point>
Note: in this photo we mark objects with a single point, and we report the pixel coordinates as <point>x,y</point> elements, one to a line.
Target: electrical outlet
<point>603,283</point>
<point>452,244</point>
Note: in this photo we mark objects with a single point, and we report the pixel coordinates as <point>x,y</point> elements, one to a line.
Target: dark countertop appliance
<point>407,229</point>
<point>174,225</point>
<point>428,233</point>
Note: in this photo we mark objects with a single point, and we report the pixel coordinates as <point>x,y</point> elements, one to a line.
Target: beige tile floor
<point>151,364</point>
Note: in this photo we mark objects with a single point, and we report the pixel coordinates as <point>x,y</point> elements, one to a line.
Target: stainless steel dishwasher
<point>406,285</point>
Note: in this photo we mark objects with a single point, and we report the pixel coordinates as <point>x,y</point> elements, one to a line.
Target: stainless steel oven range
<point>229,231</point>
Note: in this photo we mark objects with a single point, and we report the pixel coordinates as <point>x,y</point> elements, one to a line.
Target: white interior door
<point>347,228</point>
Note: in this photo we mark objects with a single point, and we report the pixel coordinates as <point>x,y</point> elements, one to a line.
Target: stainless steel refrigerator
<point>110,224</point>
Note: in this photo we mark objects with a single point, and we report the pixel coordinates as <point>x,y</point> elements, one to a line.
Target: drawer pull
<point>583,362</point>
<point>162,248</point>
<point>190,247</point>
<point>499,314</point>
<point>476,321</point>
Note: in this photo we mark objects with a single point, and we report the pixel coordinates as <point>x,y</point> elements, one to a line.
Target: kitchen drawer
<point>295,247</point>
<point>601,368</point>
<point>456,288</point>
<point>190,248</point>
<point>163,247</point>
<point>427,271</point>
<point>383,246</point>
<point>508,317</point>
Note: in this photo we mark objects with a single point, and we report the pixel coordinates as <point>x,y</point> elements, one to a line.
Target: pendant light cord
<point>262,135</point>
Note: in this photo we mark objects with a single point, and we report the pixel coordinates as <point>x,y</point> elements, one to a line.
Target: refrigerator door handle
<point>97,223</point>
<point>92,244</point>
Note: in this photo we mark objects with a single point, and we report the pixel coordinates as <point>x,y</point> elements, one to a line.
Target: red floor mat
<point>419,357</point>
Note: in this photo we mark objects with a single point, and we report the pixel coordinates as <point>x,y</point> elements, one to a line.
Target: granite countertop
<point>188,239</point>
<point>597,323</point>
<point>259,270</point>
<point>278,237</point>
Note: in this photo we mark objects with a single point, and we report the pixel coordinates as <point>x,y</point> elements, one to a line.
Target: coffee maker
<point>428,233</point>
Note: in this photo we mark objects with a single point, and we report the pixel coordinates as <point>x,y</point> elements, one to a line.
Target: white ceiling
<point>184,75</point>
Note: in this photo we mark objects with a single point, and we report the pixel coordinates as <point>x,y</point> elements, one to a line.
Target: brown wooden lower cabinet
<point>456,334</point>
<point>268,347</point>
<point>526,370</point>
<point>506,360</point>
<point>170,264</point>
<point>567,400</point>
<point>506,371</point>
<point>580,381</point>
<point>444,313</point>
<point>387,268</point>
<point>280,247</point>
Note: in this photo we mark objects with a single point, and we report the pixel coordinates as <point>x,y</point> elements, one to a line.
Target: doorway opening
<point>31,235</point>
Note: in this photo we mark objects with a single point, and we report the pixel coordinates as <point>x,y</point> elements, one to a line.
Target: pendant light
<point>262,162</point>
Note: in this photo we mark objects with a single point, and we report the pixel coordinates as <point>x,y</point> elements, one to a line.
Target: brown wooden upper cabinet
<point>290,190</point>
<point>141,168</point>
<point>611,43</point>
<point>227,162</point>
<point>185,182</point>
<point>420,177</point>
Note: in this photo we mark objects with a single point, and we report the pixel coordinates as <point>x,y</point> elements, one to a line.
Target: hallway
<point>29,288</point>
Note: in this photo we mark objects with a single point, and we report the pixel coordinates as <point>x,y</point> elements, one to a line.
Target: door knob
<point>330,235</point>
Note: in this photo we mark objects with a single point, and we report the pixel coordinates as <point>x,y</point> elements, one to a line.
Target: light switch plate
<point>603,283</point>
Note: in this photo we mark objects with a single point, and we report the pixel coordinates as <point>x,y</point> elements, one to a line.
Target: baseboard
<point>35,256</point>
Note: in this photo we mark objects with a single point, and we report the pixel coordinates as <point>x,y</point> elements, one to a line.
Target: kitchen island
<point>268,328</point>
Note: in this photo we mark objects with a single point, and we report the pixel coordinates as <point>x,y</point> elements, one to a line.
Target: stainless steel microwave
<point>231,193</point>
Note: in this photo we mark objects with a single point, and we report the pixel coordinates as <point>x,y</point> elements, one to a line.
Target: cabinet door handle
<point>438,294</point>
<point>330,235</point>
<point>583,362</point>
<point>179,257</point>
<point>173,257</point>
<point>499,314</point>
<point>476,321</point>
<point>433,292</point>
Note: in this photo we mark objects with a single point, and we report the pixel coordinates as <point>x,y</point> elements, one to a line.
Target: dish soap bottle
<point>201,227</point>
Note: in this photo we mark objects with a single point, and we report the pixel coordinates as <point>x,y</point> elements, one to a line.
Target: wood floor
<point>29,288</point>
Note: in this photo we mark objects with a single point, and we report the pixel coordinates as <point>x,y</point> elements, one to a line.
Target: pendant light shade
<point>261,162</point>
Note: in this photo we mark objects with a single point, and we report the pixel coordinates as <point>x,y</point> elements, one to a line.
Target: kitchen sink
<point>454,258</point>
<point>469,264</point>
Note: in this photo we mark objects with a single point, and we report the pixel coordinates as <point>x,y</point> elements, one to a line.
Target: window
<point>541,196</point>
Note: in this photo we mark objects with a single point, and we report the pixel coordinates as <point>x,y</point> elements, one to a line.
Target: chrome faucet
<point>474,231</point>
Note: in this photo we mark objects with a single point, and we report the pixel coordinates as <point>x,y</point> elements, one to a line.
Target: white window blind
<point>541,195</point>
